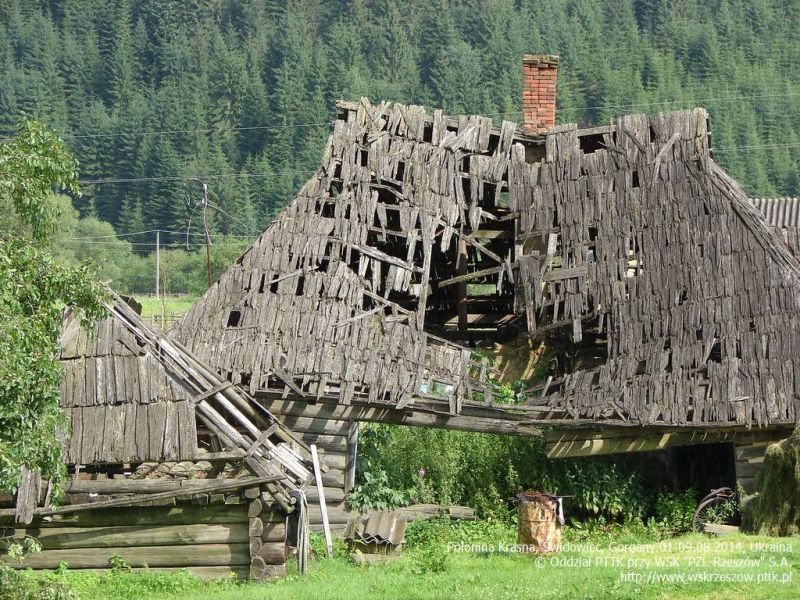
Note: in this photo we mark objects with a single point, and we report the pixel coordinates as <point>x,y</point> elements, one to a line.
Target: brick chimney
<point>539,92</point>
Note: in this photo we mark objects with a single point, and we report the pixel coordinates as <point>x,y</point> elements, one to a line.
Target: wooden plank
<point>182,514</point>
<point>469,276</point>
<point>564,444</point>
<point>56,538</point>
<point>209,486</point>
<point>135,486</point>
<point>352,455</point>
<point>326,529</point>
<point>358,412</point>
<point>197,555</point>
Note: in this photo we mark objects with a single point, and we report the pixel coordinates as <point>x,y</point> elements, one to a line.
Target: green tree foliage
<point>33,290</point>
<point>260,81</point>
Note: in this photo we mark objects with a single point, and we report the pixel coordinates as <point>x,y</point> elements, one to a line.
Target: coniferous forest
<point>242,92</point>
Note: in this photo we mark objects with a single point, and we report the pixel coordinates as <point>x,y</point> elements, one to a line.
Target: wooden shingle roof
<point>642,267</point>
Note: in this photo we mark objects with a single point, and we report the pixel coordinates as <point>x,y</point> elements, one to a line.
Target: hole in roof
<point>327,209</point>
<point>234,318</point>
<point>591,143</point>
<point>494,142</point>
<point>301,282</point>
<point>427,132</point>
<point>364,158</point>
<point>273,287</point>
<point>716,352</point>
<point>635,178</point>
<point>401,170</point>
<point>535,153</point>
<point>502,199</point>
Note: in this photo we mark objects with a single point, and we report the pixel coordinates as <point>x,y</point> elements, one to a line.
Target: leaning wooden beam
<point>326,528</point>
<point>473,275</point>
<point>359,411</point>
<point>197,379</point>
<point>213,485</point>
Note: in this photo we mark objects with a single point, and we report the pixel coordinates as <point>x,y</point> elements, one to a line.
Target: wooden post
<point>352,455</point>
<point>326,528</point>
<point>461,289</point>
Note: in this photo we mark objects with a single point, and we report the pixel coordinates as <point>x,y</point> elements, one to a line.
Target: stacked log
<point>266,538</point>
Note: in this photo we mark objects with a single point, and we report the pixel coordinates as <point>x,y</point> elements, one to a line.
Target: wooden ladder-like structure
<point>243,426</point>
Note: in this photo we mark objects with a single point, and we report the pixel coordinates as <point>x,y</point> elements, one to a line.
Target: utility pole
<point>205,226</point>
<point>158,262</point>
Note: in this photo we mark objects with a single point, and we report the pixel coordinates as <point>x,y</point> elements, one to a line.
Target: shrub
<point>431,558</point>
<point>599,487</point>
<point>17,585</point>
<point>375,493</point>
<point>674,511</point>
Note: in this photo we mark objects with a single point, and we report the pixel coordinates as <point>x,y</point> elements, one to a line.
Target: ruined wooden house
<point>617,269</point>
<point>169,466</point>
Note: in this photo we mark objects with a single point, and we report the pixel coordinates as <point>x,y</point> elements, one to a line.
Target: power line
<point>121,237</point>
<point>687,100</point>
<point>231,217</point>
<point>756,147</point>
<point>78,136</point>
<point>189,177</point>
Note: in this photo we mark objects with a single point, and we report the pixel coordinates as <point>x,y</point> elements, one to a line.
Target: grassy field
<point>173,305</point>
<point>694,566</point>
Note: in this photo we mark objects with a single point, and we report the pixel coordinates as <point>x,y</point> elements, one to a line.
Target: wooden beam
<point>197,555</point>
<point>359,412</point>
<point>561,444</point>
<point>55,538</point>
<point>469,276</point>
<point>211,485</point>
<point>461,289</point>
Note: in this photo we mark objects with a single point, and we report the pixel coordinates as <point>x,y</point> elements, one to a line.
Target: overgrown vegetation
<point>775,510</point>
<point>33,290</point>
<point>425,572</point>
<point>402,465</point>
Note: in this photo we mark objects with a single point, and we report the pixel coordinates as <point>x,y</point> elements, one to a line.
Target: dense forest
<point>149,93</point>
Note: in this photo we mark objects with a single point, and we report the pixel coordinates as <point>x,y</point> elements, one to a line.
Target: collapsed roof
<point>132,395</point>
<point>646,282</point>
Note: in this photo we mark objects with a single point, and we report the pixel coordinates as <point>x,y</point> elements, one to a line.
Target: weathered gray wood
<point>57,538</point>
<point>194,555</point>
<point>136,486</point>
<point>352,455</point>
<point>210,485</point>
<point>184,514</point>
<point>321,500</point>
<point>260,571</point>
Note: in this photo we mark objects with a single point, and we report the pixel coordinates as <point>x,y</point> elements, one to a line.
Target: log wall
<point>209,541</point>
<point>337,442</point>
